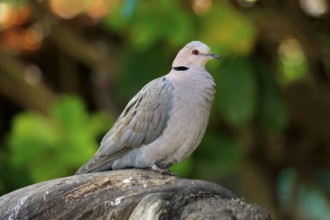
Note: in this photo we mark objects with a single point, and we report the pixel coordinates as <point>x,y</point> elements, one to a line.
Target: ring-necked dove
<point>163,123</point>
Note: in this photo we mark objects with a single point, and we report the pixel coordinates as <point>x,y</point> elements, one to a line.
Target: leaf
<point>159,20</point>
<point>236,95</point>
<point>128,8</point>
<point>218,155</point>
<point>140,67</point>
<point>70,112</point>
<point>152,22</point>
<point>54,146</point>
<point>185,168</point>
<point>227,30</point>
<point>30,136</point>
<point>272,114</point>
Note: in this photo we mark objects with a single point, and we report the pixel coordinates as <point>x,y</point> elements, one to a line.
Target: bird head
<point>194,54</point>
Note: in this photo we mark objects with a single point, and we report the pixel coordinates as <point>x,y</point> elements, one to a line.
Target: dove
<point>165,121</point>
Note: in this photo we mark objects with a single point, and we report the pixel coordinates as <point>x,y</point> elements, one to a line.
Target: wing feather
<point>141,122</point>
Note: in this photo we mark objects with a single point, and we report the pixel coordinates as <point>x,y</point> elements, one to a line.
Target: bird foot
<point>162,171</point>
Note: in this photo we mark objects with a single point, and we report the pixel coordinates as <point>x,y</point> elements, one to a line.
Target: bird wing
<point>141,122</point>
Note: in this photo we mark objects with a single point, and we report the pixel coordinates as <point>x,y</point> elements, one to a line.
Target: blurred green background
<point>68,68</point>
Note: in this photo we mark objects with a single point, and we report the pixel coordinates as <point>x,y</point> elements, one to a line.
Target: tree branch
<point>126,194</point>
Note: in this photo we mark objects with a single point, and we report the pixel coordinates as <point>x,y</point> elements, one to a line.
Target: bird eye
<point>195,52</point>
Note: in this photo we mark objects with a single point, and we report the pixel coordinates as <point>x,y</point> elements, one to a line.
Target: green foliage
<point>246,92</point>
<point>227,30</point>
<point>52,146</point>
<point>128,8</point>
<point>218,156</point>
<point>13,2</point>
<point>292,62</point>
<point>151,22</point>
<point>236,96</point>
<point>140,67</point>
<point>272,114</point>
<point>12,177</point>
<point>185,168</point>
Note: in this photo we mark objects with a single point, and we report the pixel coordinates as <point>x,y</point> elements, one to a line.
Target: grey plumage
<point>165,121</point>
<point>135,127</point>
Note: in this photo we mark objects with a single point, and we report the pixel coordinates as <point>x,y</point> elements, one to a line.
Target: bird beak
<point>215,56</point>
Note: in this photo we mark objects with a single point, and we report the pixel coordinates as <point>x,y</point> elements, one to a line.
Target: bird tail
<point>83,169</point>
<point>93,166</point>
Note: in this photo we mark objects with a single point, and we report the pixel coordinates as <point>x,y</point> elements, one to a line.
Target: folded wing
<point>142,121</point>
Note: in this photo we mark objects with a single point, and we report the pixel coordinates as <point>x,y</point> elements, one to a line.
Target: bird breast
<point>192,99</point>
